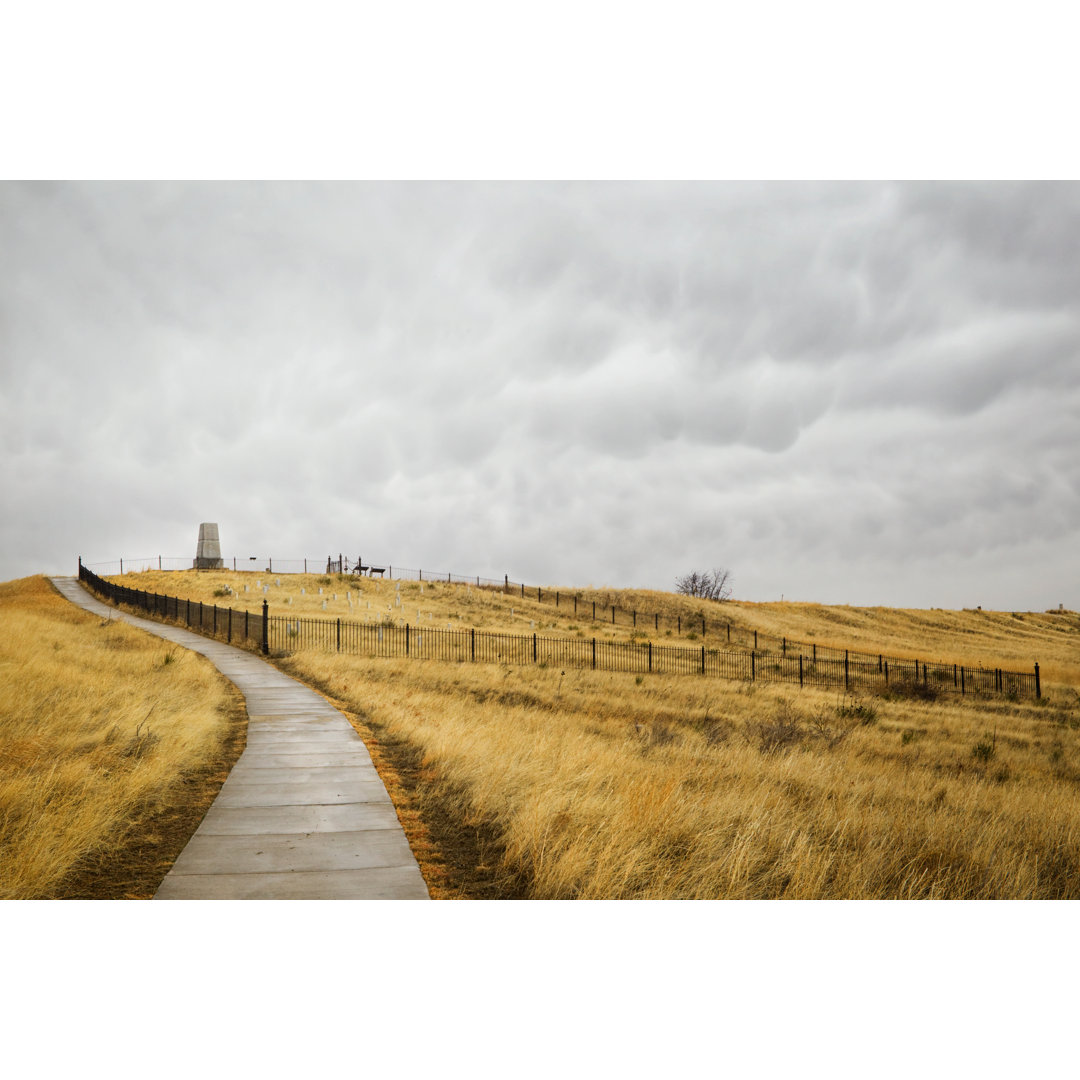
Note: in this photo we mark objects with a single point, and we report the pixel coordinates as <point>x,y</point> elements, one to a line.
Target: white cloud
<point>844,392</point>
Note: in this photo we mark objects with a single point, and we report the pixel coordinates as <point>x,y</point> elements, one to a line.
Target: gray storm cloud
<point>850,392</point>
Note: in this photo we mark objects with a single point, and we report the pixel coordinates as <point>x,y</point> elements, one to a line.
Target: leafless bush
<point>831,736</point>
<point>786,728</point>
<point>655,733</point>
<point>780,732</point>
<point>716,732</point>
<point>708,584</point>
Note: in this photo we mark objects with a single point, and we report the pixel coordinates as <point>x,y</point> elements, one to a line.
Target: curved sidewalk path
<point>303,815</point>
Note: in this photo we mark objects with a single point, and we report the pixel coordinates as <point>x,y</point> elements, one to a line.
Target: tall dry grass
<point>614,786</point>
<point>604,785</point>
<point>100,726</point>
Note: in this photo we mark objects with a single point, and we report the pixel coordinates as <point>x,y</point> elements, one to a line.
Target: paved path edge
<point>303,813</point>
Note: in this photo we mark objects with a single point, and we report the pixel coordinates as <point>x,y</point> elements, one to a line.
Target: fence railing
<point>331,564</point>
<point>591,604</point>
<point>282,633</point>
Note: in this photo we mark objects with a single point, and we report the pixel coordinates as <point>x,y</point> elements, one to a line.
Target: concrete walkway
<point>303,814</point>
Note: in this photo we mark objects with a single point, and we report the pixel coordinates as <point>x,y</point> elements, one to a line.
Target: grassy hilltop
<point>534,782</point>
<point>994,639</point>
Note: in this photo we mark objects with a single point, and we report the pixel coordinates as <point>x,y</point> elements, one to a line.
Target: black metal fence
<point>597,606</point>
<point>234,627</point>
<point>850,671</point>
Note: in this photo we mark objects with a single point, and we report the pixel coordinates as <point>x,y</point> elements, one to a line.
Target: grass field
<point>533,782</point>
<point>994,639</point>
<point>113,744</point>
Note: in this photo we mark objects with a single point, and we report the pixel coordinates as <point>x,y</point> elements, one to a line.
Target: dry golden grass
<point>102,728</point>
<point>365,599</point>
<point>994,639</point>
<point>603,785</point>
<point>1012,640</point>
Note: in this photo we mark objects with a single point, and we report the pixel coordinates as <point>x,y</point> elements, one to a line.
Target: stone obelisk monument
<point>208,554</point>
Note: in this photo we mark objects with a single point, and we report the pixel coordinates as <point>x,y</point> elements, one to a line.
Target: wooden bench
<point>380,570</point>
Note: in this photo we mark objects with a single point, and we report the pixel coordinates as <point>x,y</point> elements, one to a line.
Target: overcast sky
<point>863,393</point>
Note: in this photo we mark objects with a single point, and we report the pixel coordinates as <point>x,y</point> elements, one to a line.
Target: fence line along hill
<point>434,618</point>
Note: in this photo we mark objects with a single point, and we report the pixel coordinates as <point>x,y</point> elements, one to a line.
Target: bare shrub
<point>780,732</point>
<point>655,733</point>
<point>906,690</point>
<point>985,748</point>
<point>826,732</point>
<point>851,708</point>
<point>716,732</point>
<point>708,584</point>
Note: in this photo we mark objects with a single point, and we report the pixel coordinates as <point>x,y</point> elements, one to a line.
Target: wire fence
<point>332,564</point>
<point>596,605</point>
<point>852,671</point>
